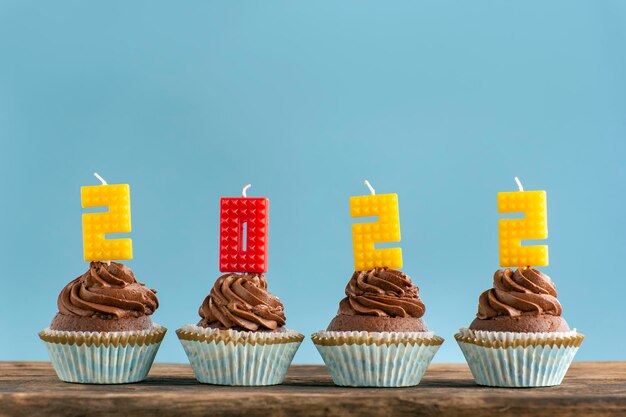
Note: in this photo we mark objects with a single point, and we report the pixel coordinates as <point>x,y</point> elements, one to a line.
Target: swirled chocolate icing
<point>107,291</point>
<point>242,302</point>
<point>526,291</point>
<point>382,292</point>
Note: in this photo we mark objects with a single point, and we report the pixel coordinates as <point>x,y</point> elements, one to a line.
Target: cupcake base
<point>71,323</point>
<point>369,359</point>
<point>102,358</point>
<point>544,323</point>
<point>230,357</point>
<point>351,323</point>
<point>507,359</point>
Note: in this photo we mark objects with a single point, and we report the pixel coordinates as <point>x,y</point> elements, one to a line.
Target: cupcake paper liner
<point>230,357</point>
<point>102,357</point>
<point>386,359</point>
<point>507,359</point>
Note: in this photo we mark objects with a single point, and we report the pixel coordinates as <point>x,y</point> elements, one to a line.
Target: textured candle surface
<point>116,198</point>
<point>534,225</point>
<point>234,213</point>
<point>385,229</point>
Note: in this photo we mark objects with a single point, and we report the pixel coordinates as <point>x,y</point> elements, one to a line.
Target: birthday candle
<point>116,198</point>
<point>385,229</point>
<point>534,225</point>
<point>239,253</point>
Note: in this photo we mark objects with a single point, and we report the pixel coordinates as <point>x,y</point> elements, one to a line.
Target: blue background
<point>441,102</point>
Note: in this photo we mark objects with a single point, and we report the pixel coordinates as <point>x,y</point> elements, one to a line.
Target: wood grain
<point>590,389</point>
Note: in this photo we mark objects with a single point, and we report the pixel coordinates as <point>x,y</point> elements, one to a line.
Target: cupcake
<point>241,337</point>
<point>378,337</point>
<point>103,333</point>
<point>519,338</point>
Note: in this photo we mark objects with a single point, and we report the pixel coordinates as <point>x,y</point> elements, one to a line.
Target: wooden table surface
<point>590,389</point>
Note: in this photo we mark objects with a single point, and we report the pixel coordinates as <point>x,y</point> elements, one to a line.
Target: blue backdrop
<point>441,102</point>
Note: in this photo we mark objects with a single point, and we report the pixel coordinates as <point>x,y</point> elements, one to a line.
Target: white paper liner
<point>240,336</point>
<point>387,336</point>
<point>512,336</point>
<point>370,359</point>
<point>103,362</point>
<point>230,357</point>
<point>518,359</point>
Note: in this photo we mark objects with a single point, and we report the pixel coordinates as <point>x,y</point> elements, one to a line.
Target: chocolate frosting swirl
<point>382,292</point>
<point>241,301</point>
<point>526,291</point>
<point>107,291</point>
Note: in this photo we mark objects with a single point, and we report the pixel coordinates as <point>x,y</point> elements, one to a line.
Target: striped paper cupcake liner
<point>507,359</point>
<point>102,357</point>
<point>230,357</point>
<point>386,359</point>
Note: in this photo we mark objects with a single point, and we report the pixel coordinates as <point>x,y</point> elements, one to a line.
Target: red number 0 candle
<point>241,216</point>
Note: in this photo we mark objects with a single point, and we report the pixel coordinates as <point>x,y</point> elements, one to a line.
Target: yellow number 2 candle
<point>116,220</point>
<point>386,229</point>
<point>534,225</point>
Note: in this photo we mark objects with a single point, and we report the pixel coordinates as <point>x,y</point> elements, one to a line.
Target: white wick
<point>100,178</point>
<point>245,188</point>
<point>519,184</point>
<point>372,190</point>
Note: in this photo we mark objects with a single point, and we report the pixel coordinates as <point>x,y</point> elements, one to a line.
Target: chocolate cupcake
<point>242,302</point>
<point>106,298</point>
<point>378,337</point>
<point>240,338</point>
<point>104,325</point>
<point>521,301</point>
<point>380,300</point>
<point>518,338</point>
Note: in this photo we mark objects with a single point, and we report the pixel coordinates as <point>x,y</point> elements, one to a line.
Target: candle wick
<point>245,188</point>
<point>100,178</point>
<point>519,184</point>
<point>366,182</point>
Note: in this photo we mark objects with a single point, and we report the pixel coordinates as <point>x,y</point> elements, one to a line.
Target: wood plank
<point>590,389</point>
